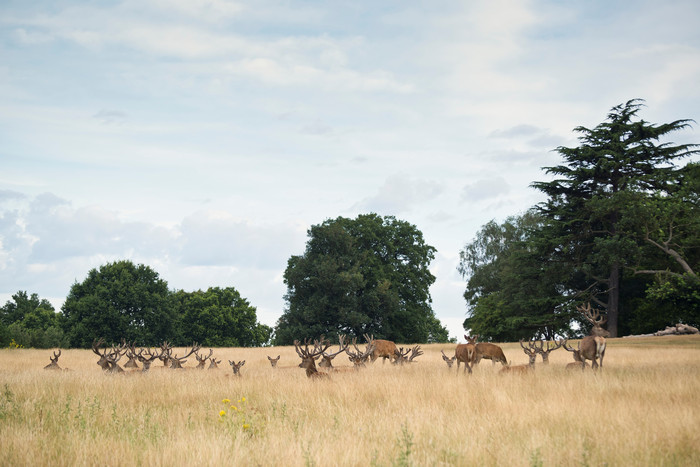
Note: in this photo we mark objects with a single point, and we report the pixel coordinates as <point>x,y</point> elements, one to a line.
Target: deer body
<point>465,353</point>
<point>54,361</point>
<point>486,350</point>
<point>531,351</point>
<point>382,349</point>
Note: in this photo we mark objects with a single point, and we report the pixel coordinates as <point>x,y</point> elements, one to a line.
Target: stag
<point>176,362</point>
<point>327,358</point>
<point>359,357</point>
<point>273,361</point>
<point>449,361</point>
<point>130,354</point>
<point>201,361</point>
<point>545,353</point>
<point>108,360</point>
<point>466,353</point>
<point>593,316</point>
<point>147,359</point>
<point>309,357</point>
<point>236,367</point>
<point>531,351</point>
<point>54,361</point>
<point>402,356</point>
<point>213,363</point>
<point>589,348</point>
<point>486,350</point>
<point>382,349</point>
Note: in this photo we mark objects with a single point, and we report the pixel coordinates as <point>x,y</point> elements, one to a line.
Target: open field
<point>643,408</point>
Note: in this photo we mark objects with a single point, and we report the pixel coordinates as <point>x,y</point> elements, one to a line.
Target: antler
<point>359,357</point>
<point>592,315</point>
<point>176,362</point>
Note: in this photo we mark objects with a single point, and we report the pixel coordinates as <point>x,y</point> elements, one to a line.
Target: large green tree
<point>618,166</point>
<point>119,300</point>
<point>219,317</point>
<point>363,275</point>
<point>31,322</point>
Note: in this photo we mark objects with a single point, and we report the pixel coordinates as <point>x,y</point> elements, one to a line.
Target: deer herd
<point>591,348</point>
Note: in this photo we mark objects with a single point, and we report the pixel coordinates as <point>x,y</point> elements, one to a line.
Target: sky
<point>203,138</point>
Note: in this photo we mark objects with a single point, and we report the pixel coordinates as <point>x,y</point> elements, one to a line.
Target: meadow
<point>643,408</point>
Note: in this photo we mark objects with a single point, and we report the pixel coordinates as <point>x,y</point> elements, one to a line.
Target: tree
<point>120,300</point>
<point>618,165</point>
<point>219,318</point>
<point>31,322</point>
<point>514,288</point>
<point>363,275</point>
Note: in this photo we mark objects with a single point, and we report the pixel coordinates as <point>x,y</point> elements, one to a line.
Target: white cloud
<point>400,194</point>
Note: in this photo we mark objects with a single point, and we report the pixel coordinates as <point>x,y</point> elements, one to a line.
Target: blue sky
<point>204,137</point>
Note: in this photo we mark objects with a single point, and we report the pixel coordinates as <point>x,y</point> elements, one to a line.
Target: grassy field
<point>643,408</point>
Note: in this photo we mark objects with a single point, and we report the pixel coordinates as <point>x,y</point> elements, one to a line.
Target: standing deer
<point>327,358</point>
<point>359,357</point>
<point>589,348</point>
<point>236,367</point>
<point>382,349</point>
<point>486,350</point>
<point>448,360</point>
<point>309,357</point>
<point>54,361</point>
<point>531,351</point>
<point>465,353</point>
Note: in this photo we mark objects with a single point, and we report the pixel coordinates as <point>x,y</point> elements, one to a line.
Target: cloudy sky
<point>204,137</point>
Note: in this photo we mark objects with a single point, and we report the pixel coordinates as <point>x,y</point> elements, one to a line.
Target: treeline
<point>620,229</point>
<point>121,300</point>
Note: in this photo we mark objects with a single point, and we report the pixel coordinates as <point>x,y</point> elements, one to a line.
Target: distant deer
<point>382,349</point>
<point>486,350</point>
<point>402,356</point>
<point>108,360</point>
<point>236,367</point>
<point>448,360</point>
<point>213,363</point>
<point>591,347</point>
<point>147,359</point>
<point>273,361</point>
<point>327,358</point>
<point>593,316</point>
<point>531,351</point>
<point>359,357</point>
<point>202,361</point>
<point>309,357</point>
<point>54,361</point>
<point>466,353</point>
<point>545,353</point>
<point>176,362</point>
<point>130,354</point>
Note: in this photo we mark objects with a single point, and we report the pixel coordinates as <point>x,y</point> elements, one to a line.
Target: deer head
<point>236,367</point>
<point>359,357</point>
<point>213,363</point>
<point>273,361</point>
<point>593,316</point>
<point>147,359</point>
<point>130,354</point>
<point>539,347</point>
<point>449,361</point>
<point>176,362</point>
<point>201,361</point>
<point>403,357</point>
<point>54,361</point>
<point>309,357</point>
<point>108,360</point>
<point>327,358</point>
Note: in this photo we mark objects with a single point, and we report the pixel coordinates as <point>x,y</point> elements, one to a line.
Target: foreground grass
<point>642,409</point>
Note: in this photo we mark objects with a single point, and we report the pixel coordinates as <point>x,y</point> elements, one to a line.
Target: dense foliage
<point>619,229</point>
<point>363,275</point>
<point>31,322</point>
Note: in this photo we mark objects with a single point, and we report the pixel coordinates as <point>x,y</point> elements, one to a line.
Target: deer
<point>273,361</point>
<point>54,362</point>
<point>359,357</point>
<point>531,351</point>
<point>309,357</point>
<point>213,363</point>
<point>448,360</point>
<point>202,361</point>
<point>465,353</point>
<point>382,349</point>
<point>402,357</point>
<point>545,353</point>
<point>130,354</point>
<point>108,360</point>
<point>589,348</point>
<point>593,316</point>
<point>327,358</point>
<point>486,350</point>
<point>236,367</point>
<point>176,362</point>
<point>147,359</point>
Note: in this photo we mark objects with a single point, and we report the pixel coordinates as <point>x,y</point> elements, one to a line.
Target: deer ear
<point>243,363</point>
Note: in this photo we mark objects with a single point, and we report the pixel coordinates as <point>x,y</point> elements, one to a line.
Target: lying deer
<point>273,361</point>
<point>531,351</point>
<point>54,362</point>
<point>327,358</point>
<point>359,357</point>
<point>402,356</point>
<point>309,357</point>
<point>448,360</point>
<point>236,367</point>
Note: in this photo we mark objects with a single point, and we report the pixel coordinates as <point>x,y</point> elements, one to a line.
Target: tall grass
<point>643,408</point>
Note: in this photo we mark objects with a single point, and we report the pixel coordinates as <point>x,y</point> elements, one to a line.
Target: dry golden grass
<point>642,409</point>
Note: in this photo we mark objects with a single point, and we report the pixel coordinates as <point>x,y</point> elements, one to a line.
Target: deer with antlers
<point>531,351</point>
<point>539,345</point>
<point>383,349</point>
<point>54,361</point>
<point>327,358</point>
<point>591,347</point>
<point>359,357</point>
<point>108,360</point>
<point>147,359</point>
<point>236,367</point>
<point>176,362</point>
<point>213,363</point>
<point>202,361</point>
<point>403,356</point>
<point>486,350</point>
<point>448,360</point>
<point>309,357</point>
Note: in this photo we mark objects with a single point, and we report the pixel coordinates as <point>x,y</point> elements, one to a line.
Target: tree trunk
<point>613,299</point>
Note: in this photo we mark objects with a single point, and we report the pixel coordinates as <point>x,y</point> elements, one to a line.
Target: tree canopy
<point>363,275</point>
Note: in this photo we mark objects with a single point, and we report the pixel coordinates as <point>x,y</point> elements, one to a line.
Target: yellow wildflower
<point>222,413</point>
<point>233,407</point>
<point>226,401</point>
<point>246,426</point>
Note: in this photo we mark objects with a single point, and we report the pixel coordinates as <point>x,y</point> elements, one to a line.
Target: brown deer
<point>213,363</point>
<point>593,316</point>
<point>176,362</point>
<point>589,348</point>
<point>327,358</point>
<point>402,357</point>
<point>236,367</point>
<point>359,357</point>
<point>448,360</point>
<point>545,353</point>
<point>147,359</point>
<point>486,350</point>
<point>108,360</point>
<point>130,354</point>
<point>273,361</point>
<point>54,362</point>
<point>202,361</point>
<point>309,357</point>
<point>382,349</point>
<point>466,353</point>
<point>531,351</point>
